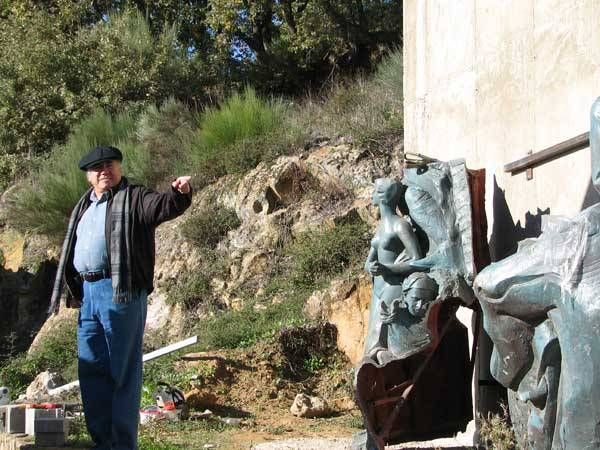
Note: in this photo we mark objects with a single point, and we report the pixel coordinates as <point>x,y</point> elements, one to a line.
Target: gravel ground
<point>461,441</point>
<point>306,444</point>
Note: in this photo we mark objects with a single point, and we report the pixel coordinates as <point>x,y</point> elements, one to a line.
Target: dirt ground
<point>258,386</point>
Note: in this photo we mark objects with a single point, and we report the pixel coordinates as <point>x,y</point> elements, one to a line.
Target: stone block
<point>15,418</point>
<point>51,432</point>
<point>32,414</point>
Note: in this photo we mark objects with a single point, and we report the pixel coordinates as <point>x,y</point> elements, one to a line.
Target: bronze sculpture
<point>423,261</point>
<point>542,313</point>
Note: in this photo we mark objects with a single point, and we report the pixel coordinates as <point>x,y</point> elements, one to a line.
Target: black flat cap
<point>100,154</point>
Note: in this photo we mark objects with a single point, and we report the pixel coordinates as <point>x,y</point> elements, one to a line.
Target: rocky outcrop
<point>274,202</point>
<point>345,304</point>
<point>26,275</point>
<point>328,185</point>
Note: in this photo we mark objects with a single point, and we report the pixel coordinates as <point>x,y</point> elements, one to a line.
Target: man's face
<point>103,176</point>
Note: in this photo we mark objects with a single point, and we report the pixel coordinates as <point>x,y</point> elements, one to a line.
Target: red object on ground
<point>44,406</point>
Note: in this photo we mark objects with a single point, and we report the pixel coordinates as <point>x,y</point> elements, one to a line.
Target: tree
<point>51,78</point>
<point>295,42</point>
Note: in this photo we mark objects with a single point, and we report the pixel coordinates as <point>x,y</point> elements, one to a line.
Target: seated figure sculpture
<point>422,263</point>
<point>542,312</point>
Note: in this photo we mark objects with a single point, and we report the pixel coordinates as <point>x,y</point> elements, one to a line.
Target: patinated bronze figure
<point>542,311</point>
<point>422,263</point>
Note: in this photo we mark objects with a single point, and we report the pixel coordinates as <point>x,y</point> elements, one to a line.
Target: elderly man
<point>107,263</point>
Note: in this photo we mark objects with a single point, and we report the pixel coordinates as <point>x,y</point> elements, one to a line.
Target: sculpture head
<point>386,191</point>
<point>419,291</point>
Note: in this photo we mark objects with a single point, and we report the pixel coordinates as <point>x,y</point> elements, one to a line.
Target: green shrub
<point>225,141</point>
<point>56,353</point>
<point>233,329</point>
<point>166,134</point>
<point>51,77</point>
<point>13,167</point>
<point>315,256</point>
<point>207,227</point>
<point>44,203</point>
<point>192,290</point>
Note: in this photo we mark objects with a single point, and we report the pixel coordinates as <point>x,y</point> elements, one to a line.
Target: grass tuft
<point>228,140</point>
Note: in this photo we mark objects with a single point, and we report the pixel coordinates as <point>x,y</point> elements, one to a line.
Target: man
<point>107,263</point>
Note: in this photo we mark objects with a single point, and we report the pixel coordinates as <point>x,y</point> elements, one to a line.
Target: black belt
<point>94,276</point>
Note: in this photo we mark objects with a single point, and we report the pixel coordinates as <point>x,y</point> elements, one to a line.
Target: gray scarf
<point>119,246</point>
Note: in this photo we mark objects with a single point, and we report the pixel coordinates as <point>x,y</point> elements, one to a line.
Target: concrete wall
<point>491,80</point>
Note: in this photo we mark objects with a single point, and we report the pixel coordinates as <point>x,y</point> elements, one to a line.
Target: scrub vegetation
<point>231,138</point>
<point>178,94</point>
<point>57,353</point>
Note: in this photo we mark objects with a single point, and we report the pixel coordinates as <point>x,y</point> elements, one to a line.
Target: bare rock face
<point>27,268</point>
<point>39,387</point>
<point>345,304</point>
<point>307,406</point>
<point>275,202</point>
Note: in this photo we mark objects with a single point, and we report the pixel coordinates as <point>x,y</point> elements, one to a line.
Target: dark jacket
<point>148,210</point>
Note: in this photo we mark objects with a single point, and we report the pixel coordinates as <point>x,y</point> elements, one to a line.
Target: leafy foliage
<point>51,79</point>
<point>45,202</point>
<point>57,353</point>
<point>290,44</point>
<point>317,255</point>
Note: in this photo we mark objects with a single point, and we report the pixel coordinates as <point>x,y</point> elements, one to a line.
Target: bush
<point>369,109</point>
<point>315,256</point>
<point>13,167</point>
<point>226,141</point>
<point>44,204</point>
<point>207,227</point>
<point>234,329</point>
<point>51,78</point>
<point>56,353</point>
<point>166,134</point>
<point>193,290</point>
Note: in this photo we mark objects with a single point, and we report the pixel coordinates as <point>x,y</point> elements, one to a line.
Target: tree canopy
<point>62,59</point>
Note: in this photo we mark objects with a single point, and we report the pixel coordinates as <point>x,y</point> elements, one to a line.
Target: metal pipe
<point>548,154</point>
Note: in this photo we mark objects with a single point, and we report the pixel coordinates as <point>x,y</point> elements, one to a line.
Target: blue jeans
<point>109,338</point>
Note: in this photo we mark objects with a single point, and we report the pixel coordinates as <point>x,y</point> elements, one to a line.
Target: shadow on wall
<point>506,234</point>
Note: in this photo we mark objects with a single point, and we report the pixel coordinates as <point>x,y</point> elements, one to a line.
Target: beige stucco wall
<point>490,80</point>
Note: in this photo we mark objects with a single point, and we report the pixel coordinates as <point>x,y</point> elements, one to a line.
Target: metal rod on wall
<point>548,154</point>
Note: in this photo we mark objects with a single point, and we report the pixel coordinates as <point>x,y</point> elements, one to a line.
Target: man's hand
<point>182,184</point>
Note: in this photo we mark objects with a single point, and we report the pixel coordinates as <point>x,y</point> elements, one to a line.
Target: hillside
<point>267,258</point>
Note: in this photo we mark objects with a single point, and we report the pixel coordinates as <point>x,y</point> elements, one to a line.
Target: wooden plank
<point>548,154</point>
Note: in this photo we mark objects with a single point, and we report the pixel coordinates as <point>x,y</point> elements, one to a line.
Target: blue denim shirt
<point>90,249</point>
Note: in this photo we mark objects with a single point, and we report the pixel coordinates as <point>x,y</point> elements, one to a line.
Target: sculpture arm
<point>371,259</point>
